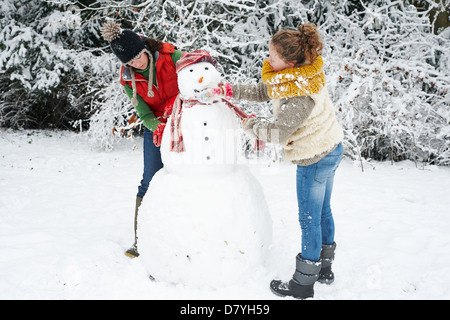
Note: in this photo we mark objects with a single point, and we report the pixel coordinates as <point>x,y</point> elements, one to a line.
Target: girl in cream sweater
<point>305,125</point>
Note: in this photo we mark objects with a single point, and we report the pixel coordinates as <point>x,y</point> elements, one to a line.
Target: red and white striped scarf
<point>176,136</point>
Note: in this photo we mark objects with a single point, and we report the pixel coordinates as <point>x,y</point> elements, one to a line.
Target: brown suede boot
<point>133,251</point>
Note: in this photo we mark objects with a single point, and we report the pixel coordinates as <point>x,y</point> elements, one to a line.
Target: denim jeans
<point>314,188</point>
<point>152,162</point>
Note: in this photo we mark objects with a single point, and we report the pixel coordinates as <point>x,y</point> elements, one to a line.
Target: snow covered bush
<point>110,119</point>
<point>389,75</point>
<point>47,74</point>
<point>387,63</point>
<point>386,70</point>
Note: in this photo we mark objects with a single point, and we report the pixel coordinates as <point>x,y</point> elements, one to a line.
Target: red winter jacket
<point>166,77</point>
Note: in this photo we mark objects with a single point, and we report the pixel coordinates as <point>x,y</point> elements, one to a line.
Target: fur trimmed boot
<point>327,257</point>
<point>133,251</point>
<point>301,286</point>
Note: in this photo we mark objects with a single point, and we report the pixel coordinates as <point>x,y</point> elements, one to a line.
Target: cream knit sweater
<point>305,126</point>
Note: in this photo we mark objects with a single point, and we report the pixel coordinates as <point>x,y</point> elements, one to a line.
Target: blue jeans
<point>152,162</point>
<point>314,187</point>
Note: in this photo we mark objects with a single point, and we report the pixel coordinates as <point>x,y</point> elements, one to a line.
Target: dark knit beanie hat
<point>127,46</point>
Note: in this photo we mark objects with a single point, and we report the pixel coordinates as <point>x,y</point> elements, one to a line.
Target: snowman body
<point>204,220</point>
<point>210,139</point>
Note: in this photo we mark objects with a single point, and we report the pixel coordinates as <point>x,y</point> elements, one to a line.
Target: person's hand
<point>157,135</point>
<point>223,91</point>
<point>246,120</point>
<point>247,126</point>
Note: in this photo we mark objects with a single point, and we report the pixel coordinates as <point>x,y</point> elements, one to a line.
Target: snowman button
<point>206,138</point>
<point>208,157</point>
<point>205,124</point>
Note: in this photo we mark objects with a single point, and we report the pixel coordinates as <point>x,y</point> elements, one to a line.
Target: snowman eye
<point>192,70</point>
<point>206,68</point>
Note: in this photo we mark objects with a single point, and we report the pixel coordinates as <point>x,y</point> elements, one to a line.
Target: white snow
<point>66,218</point>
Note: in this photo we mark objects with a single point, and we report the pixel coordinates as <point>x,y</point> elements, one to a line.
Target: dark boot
<point>327,257</point>
<point>301,286</point>
<point>133,252</point>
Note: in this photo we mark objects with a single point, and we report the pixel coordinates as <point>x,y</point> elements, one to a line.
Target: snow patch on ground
<point>66,218</point>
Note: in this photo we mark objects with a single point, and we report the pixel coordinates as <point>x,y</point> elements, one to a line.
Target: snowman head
<point>197,71</point>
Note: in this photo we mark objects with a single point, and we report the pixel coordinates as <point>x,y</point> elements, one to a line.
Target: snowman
<point>204,220</point>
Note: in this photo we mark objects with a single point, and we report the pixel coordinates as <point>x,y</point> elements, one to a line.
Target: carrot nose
<point>200,80</point>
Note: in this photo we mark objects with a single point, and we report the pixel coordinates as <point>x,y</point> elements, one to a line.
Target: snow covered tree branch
<point>387,63</point>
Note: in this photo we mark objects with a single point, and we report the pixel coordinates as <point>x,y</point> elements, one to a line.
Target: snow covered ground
<point>66,217</point>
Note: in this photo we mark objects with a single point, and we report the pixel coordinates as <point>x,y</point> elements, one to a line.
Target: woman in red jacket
<point>149,78</point>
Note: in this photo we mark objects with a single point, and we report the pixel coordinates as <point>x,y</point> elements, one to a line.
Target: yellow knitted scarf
<point>291,82</point>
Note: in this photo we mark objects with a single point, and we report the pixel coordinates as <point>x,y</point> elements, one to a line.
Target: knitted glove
<point>157,135</point>
<point>223,91</point>
<point>168,110</point>
<point>248,124</point>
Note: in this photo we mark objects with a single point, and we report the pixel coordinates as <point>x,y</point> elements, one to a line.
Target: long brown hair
<point>299,46</point>
<point>153,44</point>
